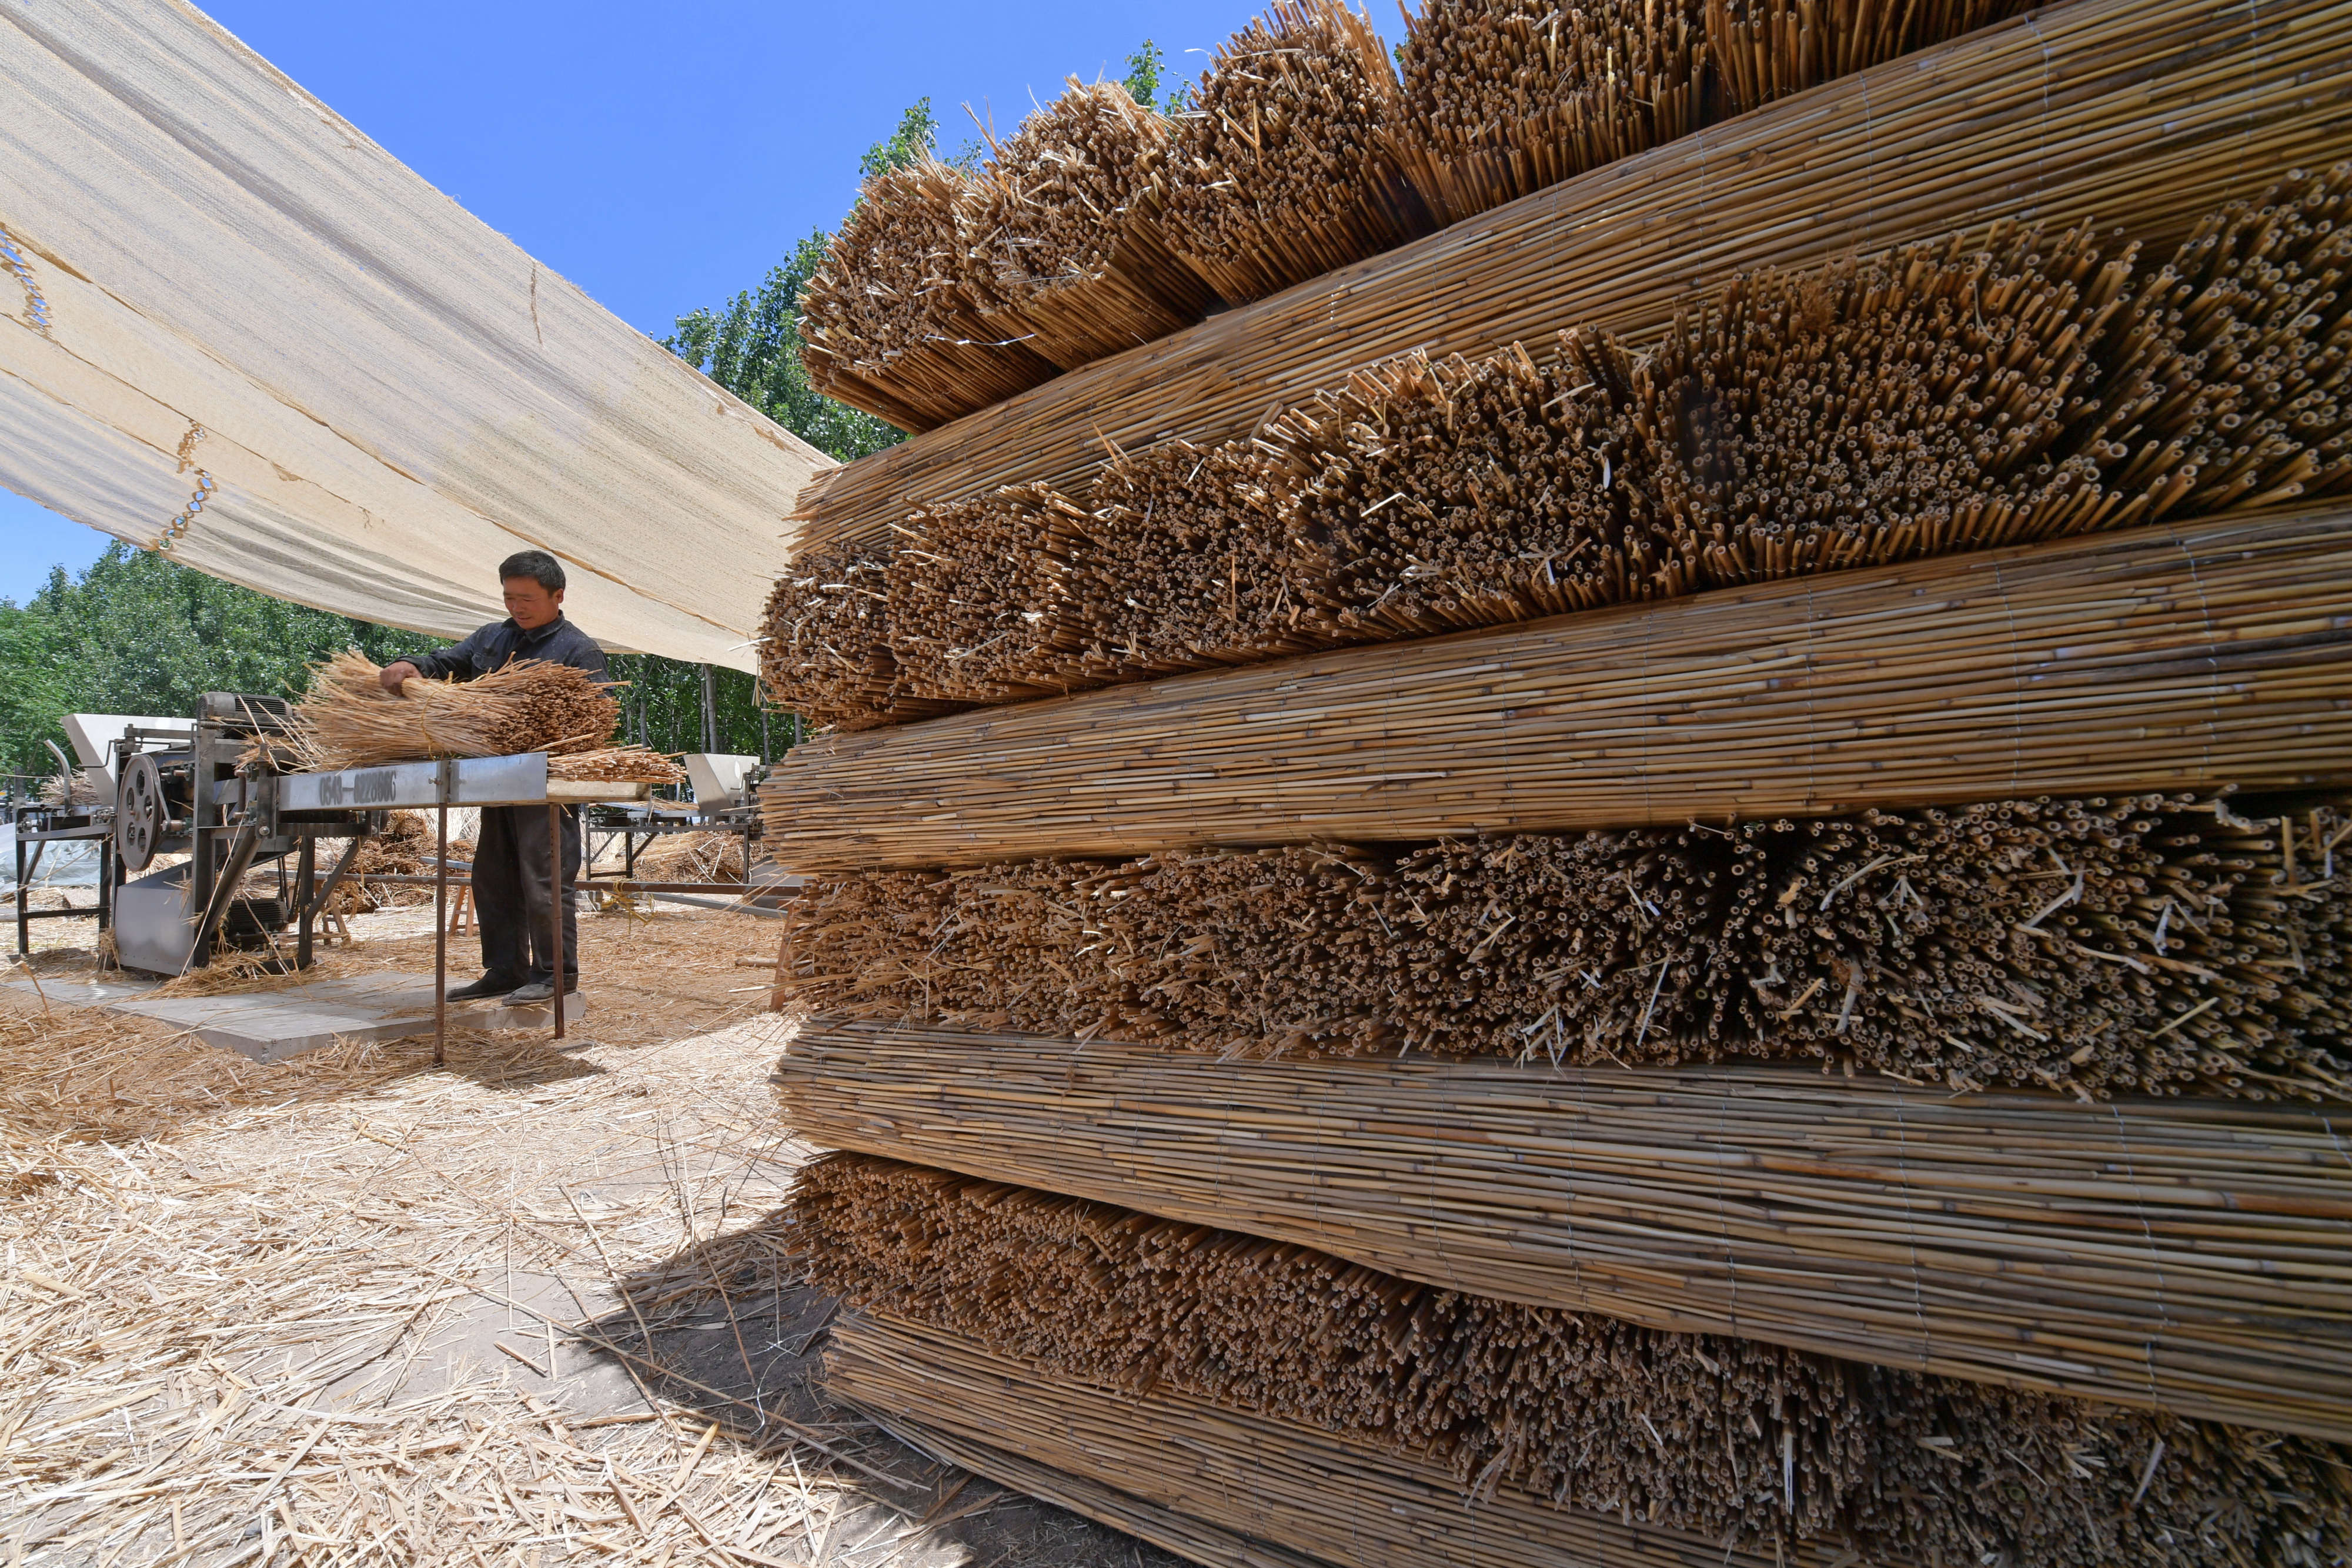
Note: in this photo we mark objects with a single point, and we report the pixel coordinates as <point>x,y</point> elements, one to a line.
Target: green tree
<point>138,633</point>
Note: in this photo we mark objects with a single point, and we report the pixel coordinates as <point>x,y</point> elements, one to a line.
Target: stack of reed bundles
<point>1301,151</point>
<point>2163,659</point>
<point>1728,1439</point>
<point>1063,233</point>
<point>2140,945</point>
<point>1927,400</point>
<point>2147,112</point>
<point>894,322</point>
<point>1282,170</point>
<point>1968,1235</point>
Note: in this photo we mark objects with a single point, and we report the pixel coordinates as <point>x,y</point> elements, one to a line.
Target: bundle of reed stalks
<point>1694,1199</point>
<point>347,719</point>
<point>2171,657</point>
<point>826,654</point>
<point>1063,235</point>
<point>1937,399</point>
<point>1732,1440</point>
<point>2141,944</point>
<point>1505,96</point>
<point>617,765</point>
<point>894,321</point>
<point>2149,112</point>
<point>976,608</point>
<point>1763,50</point>
<point>1281,169</point>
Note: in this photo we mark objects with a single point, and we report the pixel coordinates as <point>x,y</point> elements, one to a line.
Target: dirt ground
<point>536,1306</point>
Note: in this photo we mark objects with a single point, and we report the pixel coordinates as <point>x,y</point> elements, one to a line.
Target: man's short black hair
<point>537,565</point>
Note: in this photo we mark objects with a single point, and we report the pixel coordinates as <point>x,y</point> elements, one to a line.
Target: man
<point>514,896</point>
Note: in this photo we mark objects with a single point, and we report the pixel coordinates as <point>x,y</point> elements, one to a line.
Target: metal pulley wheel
<point>140,813</point>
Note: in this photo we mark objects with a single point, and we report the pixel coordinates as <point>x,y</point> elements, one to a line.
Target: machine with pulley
<point>212,793</point>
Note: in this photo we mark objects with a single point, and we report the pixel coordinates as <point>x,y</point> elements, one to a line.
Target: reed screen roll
<point>2143,112</point>
<point>1220,1485</point>
<point>2165,658</point>
<point>2018,1238</point>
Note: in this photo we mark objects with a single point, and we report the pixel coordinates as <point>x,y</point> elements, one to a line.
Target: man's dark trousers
<point>513,892</point>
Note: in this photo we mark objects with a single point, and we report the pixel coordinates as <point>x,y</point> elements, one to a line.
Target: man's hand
<point>396,673</point>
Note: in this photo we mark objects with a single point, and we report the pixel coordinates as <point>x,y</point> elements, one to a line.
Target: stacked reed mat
<point>2185,1255</point>
<point>347,719</point>
<point>2145,113</point>
<point>2169,658</point>
<point>1935,400</point>
<point>1103,224</point>
<point>1735,1442</point>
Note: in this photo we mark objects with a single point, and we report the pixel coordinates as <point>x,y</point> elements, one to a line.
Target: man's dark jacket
<point>502,641</point>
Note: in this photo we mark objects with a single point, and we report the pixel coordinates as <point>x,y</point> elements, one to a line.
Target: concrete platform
<point>270,1026</point>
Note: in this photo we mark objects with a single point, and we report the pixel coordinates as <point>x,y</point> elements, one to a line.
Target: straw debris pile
<point>1741,1442</point>
<point>2140,944</point>
<point>1932,400</point>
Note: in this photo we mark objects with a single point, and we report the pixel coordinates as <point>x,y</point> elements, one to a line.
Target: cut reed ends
<point>1282,170</point>
<point>826,654</point>
<point>1063,232</point>
<point>1763,50</point>
<point>1742,1442</point>
<point>1505,96</point>
<point>2141,944</point>
<point>894,322</point>
<point>348,720</point>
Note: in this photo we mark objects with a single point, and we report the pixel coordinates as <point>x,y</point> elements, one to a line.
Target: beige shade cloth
<point>239,329</point>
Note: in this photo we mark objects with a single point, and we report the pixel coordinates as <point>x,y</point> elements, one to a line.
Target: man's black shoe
<point>488,986</point>
<point>540,992</point>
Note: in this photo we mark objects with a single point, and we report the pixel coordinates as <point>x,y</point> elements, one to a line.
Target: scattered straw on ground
<point>351,1308</point>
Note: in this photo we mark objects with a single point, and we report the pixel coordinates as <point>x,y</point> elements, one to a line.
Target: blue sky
<point>662,156</point>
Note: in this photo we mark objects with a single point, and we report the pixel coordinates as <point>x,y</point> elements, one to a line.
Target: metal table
<point>460,781</point>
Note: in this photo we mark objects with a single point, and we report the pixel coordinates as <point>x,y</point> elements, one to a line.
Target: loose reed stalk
<point>1281,170</point>
<point>1727,1439</point>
